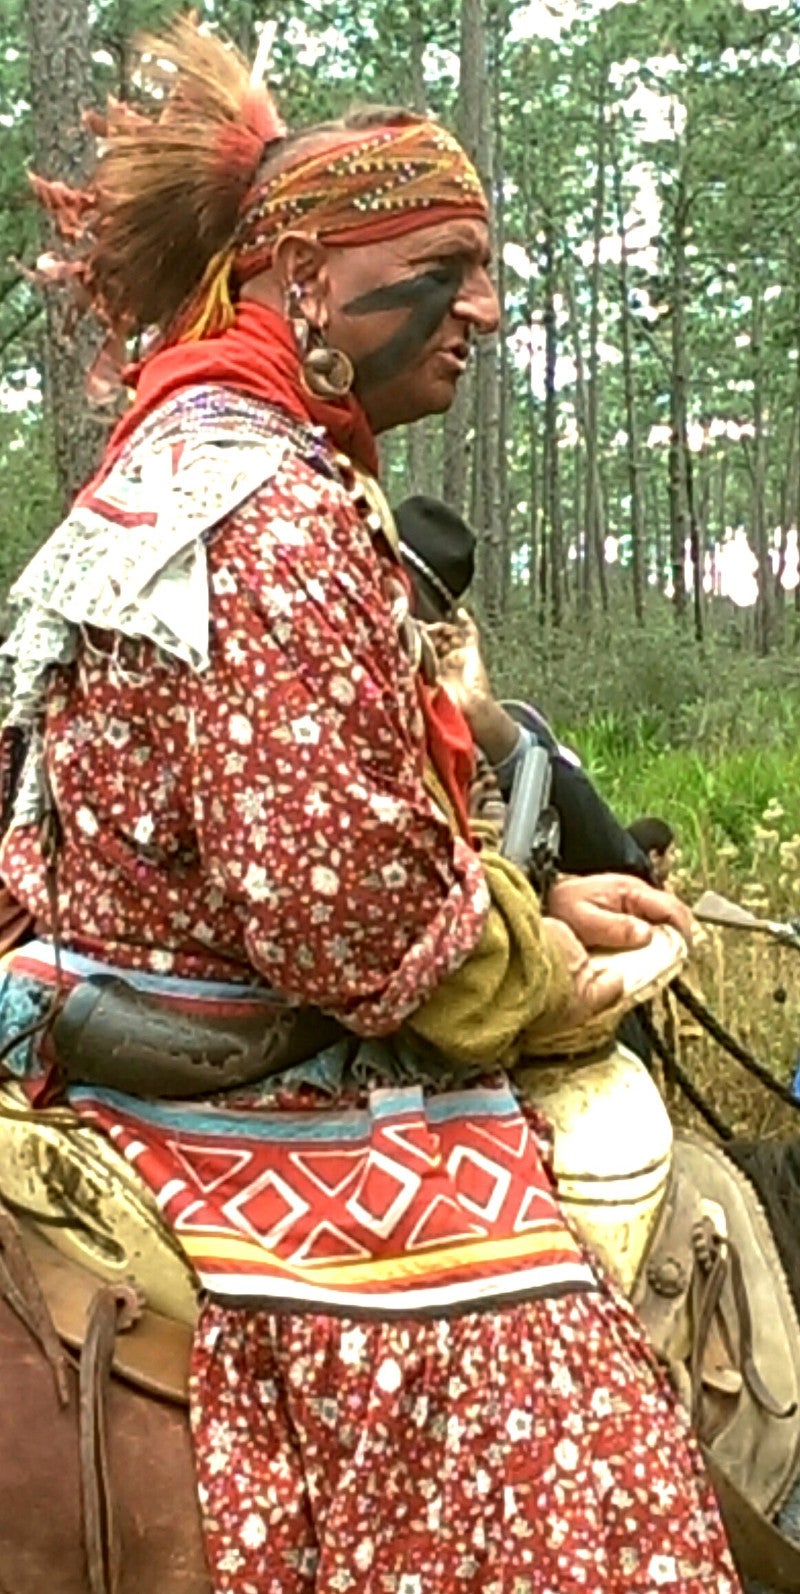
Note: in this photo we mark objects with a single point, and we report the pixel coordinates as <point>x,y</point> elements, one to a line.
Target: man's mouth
<point>457,356</point>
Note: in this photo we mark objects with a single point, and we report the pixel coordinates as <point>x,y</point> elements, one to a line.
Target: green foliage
<point>708,740</point>
<point>28,500</point>
<point>715,800</point>
<point>730,73</point>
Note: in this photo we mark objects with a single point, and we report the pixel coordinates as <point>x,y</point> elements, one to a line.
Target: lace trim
<point>133,559</point>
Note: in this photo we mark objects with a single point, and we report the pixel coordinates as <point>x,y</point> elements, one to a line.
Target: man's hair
<point>652,835</point>
<point>172,178</point>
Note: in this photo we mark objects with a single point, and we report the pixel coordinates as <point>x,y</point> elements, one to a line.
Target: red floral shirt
<point>267,814</point>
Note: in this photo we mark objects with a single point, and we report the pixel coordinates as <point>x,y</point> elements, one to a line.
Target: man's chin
<point>429,398</point>
<point>437,398</point>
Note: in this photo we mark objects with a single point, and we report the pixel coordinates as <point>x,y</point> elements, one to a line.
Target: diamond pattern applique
<point>481,1185</point>
<point>266,1209</point>
<point>384,1195</point>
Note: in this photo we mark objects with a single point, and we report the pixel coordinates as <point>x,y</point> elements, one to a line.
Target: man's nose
<point>477,303</point>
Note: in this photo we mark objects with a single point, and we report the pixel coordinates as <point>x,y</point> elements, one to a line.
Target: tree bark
<point>791,468</point>
<point>422,437</point>
<point>695,544</point>
<point>551,527</point>
<point>636,522</point>
<point>470,123</point>
<point>503,439</point>
<point>61,88</point>
<point>658,535</point>
<point>591,502</point>
<point>486,499</point>
<point>583,546</point>
<point>678,390</point>
<point>722,497</point>
<point>764,603</point>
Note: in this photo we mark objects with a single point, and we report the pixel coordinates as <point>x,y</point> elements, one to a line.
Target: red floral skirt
<point>535,1449</point>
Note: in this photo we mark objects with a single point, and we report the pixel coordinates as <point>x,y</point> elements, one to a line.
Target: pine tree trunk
<point>61,88</point>
<point>534,526</point>
<point>551,571</point>
<point>423,437</point>
<point>787,487</point>
<point>470,124</point>
<point>592,488</point>
<point>658,535</point>
<point>759,480</point>
<point>631,419</point>
<point>722,498</point>
<point>485,496</point>
<point>419,462</point>
<point>583,540</point>
<point>503,432</point>
<point>694,543</point>
<point>678,527</point>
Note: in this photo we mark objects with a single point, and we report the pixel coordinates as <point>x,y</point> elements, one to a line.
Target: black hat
<point>438,549</point>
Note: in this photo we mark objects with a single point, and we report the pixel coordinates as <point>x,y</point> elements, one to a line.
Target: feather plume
<point>169,184</point>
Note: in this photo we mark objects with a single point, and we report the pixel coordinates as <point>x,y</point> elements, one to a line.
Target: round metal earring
<point>327,373</point>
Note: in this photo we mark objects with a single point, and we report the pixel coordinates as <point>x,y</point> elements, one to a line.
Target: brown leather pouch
<point>110,1033</point>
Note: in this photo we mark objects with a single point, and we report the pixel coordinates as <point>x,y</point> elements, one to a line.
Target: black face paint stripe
<point>428,297</point>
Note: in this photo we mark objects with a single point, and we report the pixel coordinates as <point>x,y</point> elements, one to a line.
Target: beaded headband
<point>371,184</point>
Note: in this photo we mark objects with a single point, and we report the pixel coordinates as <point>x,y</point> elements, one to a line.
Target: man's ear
<point>301,263</point>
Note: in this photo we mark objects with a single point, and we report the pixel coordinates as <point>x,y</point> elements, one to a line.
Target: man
<point>438,550</point>
<point>657,841</point>
<point>406,1372</point>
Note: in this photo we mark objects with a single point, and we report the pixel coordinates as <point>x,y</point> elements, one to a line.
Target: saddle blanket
<point>315,1192</point>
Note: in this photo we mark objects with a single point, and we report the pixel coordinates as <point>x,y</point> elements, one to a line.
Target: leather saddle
<point>713,1295</point>
<point>97,1486</point>
<point>114,1508</point>
<point>68,1180</point>
<point>113,1456</point>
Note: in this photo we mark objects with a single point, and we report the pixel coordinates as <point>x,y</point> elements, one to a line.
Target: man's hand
<point>612,912</point>
<point>462,673</point>
<point>592,990</point>
<point>461,666</point>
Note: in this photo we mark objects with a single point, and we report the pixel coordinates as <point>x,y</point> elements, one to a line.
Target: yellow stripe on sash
<point>425,1264</point>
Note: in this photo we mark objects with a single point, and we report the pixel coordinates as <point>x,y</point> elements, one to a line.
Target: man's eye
<point>446,271</point>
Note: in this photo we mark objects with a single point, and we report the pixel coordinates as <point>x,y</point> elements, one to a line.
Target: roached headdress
<point>187,202</point>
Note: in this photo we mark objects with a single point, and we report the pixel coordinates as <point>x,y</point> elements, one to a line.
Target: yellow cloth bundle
<point>512,978</point>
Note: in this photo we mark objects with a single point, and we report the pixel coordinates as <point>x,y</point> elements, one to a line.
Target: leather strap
<point>759,1548</point>
<point>752,1376</point>
<point>113,1309</point>
<point>716,1261</point>
<point>706,1293</point>
<point>20,1288</point>
<point>108,1032</point>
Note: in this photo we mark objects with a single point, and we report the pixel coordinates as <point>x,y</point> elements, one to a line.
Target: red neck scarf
<point>257,356</point>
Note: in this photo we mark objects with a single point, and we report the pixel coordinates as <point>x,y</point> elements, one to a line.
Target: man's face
<point>662,863</point>
<point>405,311</point>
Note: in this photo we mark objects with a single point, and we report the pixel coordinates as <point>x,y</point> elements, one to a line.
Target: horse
<point>97,1307</point>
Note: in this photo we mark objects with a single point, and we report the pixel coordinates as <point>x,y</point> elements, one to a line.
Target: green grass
<point>705,738</point>
<point>714,796</point>
<point>710,741</point>
<point>730,786</point>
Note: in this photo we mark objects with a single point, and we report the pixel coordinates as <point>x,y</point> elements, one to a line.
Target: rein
<point>674,1073</point>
